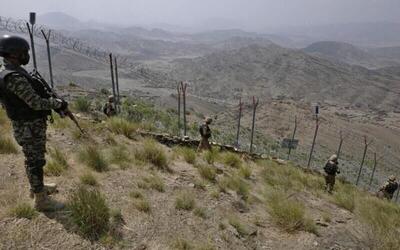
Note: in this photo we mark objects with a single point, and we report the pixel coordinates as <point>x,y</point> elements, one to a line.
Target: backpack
<point>330,168</point>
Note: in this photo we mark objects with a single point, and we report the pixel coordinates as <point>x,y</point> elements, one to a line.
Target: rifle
<point>36,75</point>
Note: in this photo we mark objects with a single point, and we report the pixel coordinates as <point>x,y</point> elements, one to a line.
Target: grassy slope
<point>185,205</point>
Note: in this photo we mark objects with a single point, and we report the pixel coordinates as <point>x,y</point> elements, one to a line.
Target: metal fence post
<point>238,124</point>
<point>184,87</point>
<point>255,104</point>
<point>314,139</point>
<point>47,39</point>
<point>293,136</point>
<point>366,144</point>
<point>112,78</point>
<point>179,90</point>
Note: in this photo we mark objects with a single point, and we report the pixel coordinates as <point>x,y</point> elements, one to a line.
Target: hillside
<point>274,71</point>
<point>347,53</point>
<point>145,195</point>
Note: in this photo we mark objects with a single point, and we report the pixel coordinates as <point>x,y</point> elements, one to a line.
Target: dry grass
<point>207,172</point>
<point>188,154</point>
<point>88,179</point>
<point>240,228</point>
<point>235,183</point>
<point>345,197</point>
<point>122,126</point>
<point>232,160</point>
<point>7,145</point>
<point>211,156</point>
<point>201,212</point>
<point>82,104</point>
<point>23,210</point>
<point>382,220</point>
<point>93,158</point>
<point>120,156</point>
<point>182,244</point>
<point>288,214</point>
<point>151,152</point>
<point>154,182</point>
<point>185,201</point>
<point>89,212</point>
<point>142,205</point>
<point>57,163</point>
<point>245,172</point>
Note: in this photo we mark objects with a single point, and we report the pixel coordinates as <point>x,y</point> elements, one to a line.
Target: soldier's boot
<point>50,188</point>
<point>43,203</point>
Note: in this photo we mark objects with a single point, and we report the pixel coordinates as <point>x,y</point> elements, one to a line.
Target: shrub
<point>57,163</point>
<point>207,172</point>
<point>287,213</point>
<point>7,146</point>
<point>92,157</point>
<point>88,179</point>
<point>136,195</point>
<point>89,212</point>
<point>23,210</point>
<point>153,153</point>
<point>181,244</point>
<point>82,104</point>
<point>235,183</point>
<point>232,160</point>
<point>121,126</point>
<point>189,155</point>
<point>185,201</point>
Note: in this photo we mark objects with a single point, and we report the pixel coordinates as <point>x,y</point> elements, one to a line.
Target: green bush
<point>240,228</point>
<point>89,212</point>
<point>153,153</point>
<point>245,172</point>
<point>120,156</point>
<point>23,210</point>
<point>155,182</point>
<point>232,160</point>
<point>345,197</point>
<point>93,158</point>
<point>185,201</point>
<point>210,156</point>
<point>142,205</point>
<point>82,104</point>
<point>7,146</point>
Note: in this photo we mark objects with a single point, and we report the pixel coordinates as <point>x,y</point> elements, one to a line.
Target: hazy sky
<point>250,14</point>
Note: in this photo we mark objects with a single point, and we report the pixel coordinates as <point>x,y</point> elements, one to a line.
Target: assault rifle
<point>63,113</point>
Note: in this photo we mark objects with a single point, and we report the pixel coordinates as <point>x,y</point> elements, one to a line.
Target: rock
<point>322,224</point>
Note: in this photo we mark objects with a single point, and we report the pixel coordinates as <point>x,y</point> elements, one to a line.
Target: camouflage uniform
<point>331,169</point>
<point>29,132</point>
<point>388,189</point>
<point>109,109</point>
<point>205,133</point>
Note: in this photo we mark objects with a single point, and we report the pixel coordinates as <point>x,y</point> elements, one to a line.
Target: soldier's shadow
<point>64,218</point>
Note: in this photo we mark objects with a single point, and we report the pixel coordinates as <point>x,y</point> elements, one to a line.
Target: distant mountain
<point>377,34</point>
<point>390,53</point>
<point>60,20</point>
<point>347,53</point>
<point>275,71</point>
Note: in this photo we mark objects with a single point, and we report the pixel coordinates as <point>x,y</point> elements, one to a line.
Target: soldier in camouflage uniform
<point>28,105</point>
<point>331,169</point>
<point>205,133</point>
<point>109,107</point>
<point>388,188</point>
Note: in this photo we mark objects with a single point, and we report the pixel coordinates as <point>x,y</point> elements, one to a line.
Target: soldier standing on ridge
<point>109,107</point>
<point>331,169</point>
<point>205,133</point>
<point>28,105</point>
<point>388,188</point>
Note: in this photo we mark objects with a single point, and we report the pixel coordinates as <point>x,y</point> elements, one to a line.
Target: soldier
<point>205,133</point>
<point>388,188</point>
<point>28,105</point>
<point>331,169</point>
<point>109,107</point>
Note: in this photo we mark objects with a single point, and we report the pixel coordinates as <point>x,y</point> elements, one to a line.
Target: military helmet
<point>208,120</point>
<point>392,178</point>
<point>333,158</point>
<point>110,98</point>
<point>12,44</point>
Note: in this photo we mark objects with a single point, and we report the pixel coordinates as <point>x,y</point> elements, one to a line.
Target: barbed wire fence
<point>66,42</point>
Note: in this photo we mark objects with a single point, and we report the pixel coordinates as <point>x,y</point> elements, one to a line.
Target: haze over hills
<point>348,53</point>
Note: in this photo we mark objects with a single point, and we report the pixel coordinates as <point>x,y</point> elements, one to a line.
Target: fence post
<point>255,104</point>
<point>117,80</point>
<point>112,78</point>
<point>179,90</point>
<point>47,39</point>
<point>339,151</point>
<point>293,136</point>
<point>184,87</point>
<point>238,124</point>
<point>315,135</point>
<point>366,144</point>
<point>31,30</point>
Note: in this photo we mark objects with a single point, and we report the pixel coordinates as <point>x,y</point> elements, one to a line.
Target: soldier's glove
<point>63,107</point>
